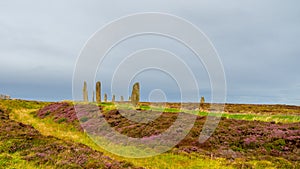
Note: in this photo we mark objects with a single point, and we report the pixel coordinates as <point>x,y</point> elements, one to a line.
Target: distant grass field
<point>25,112</point>
<point>278,118</point>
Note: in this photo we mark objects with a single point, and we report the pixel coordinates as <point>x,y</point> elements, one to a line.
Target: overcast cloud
<point>257,42</point>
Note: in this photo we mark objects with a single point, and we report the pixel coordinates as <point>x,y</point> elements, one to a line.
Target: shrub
<point>280,142</point>
<point>61,120</point>
<point>84,119</point>
<point>47,113</point>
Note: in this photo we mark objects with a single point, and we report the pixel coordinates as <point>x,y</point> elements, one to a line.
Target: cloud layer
<point>257,42</point>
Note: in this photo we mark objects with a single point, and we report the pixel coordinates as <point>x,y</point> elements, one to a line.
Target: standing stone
<point>122,99</point>
<point>113,98</point>
<point>93,98</point>
<point>202,101</point>
<point>129,99</point>
<point>98,92</point>
<point>85,92</point>
<point>105,97</point>
<point>135,95</point>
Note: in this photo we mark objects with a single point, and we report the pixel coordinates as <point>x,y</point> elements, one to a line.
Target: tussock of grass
<point>13,161</point>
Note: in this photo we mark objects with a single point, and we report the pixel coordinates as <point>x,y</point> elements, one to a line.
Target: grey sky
<point>257,42</point>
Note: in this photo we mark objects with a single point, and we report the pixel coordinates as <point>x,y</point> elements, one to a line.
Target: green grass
<point>13,161</point>
<point>280,118</point>
<point>22,104</point>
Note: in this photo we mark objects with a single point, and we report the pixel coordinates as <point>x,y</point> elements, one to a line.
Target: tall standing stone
<point>98,92</point>
<point>113,98</point>
<point>135,95</point>
<point>202,101</point>
<point>93,98</point>
<point>122,99</point>
<point>85,92</point>
<point>105,97</point>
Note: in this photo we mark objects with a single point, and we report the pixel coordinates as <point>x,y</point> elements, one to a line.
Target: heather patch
<point>233,139</point>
